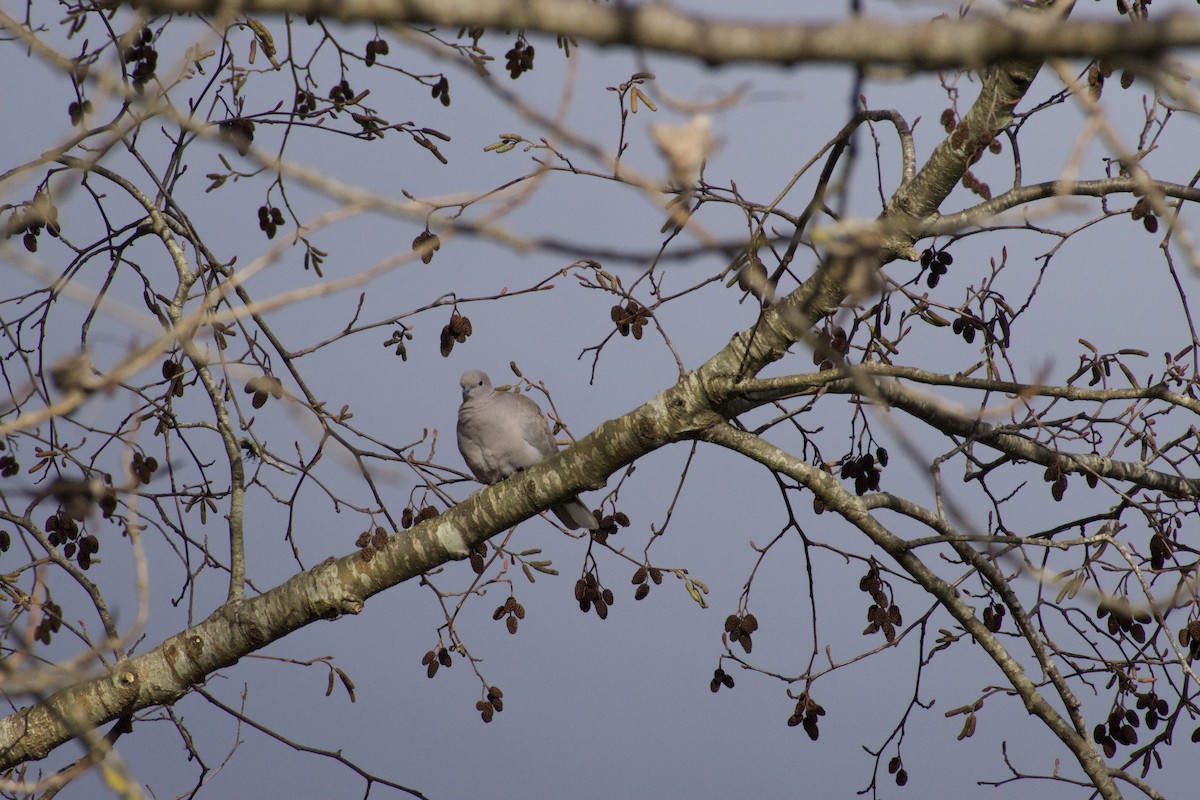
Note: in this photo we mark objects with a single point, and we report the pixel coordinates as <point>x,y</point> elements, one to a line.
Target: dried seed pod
<point>1059,488</point>
<point>426,244</point>
<point>810,727</point>
<point>460,326</point>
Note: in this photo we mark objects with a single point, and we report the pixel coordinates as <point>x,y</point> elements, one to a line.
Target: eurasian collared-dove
<point>500,433</point>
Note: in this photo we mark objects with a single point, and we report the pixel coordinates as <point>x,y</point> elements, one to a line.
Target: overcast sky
<point>621,707</point>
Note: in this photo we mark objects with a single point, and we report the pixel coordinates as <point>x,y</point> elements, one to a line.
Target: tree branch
<point>932,45</point>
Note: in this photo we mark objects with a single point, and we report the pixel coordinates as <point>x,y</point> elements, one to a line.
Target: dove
<point>500,433</point>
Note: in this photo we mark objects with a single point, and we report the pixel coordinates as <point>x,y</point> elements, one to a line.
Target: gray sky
<point>618,707</point>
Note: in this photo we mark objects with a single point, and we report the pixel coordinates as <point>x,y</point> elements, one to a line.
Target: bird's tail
<point>574,514</point>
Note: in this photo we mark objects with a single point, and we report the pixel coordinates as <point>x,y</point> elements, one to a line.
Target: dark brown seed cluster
<point>807,712</point>
<point>50,623</point>
<point>1189,637</point>
<point>511,612</point>
<point>896,767</point>
<point>441,90</point>
<point>457,330</point>
<point>1120,728</point>
<point>269,220</point>
<point>1122,619</point>
<point>77,111</point>
<point>64,531</point>
<point>739,628</point>
<point>832,346</point>
<point>306,102</point>
<point>1056,476</point>
<point>240,132</point>
<point>139,51</point>
<point>937,262</point>
<point>411,516</point>
<point>864,471</point>
<point>640,577</point>
<point>263,386</point>
<point>519,58</point>
<point>609,525</point>
<point>426,244</point>
<point>630,318</point>
<point>1160,550</point>
<point>341,93</point>
<point>30,217</point>
<point>966,326</point>
<point>144,467</point>
<point>720,678</point>
<point>883,614</point>
<point>108,506</point>
<point>9,466</point>
<point>376,47</point>
<point>993,617</point>
<point>591,594</point>
<point>172,371</point>
<point>1154,708</point>
<point>371,542</point>
<point>493,705</point>
<point>478,556</point>
<point>1143,211</point>
<point>434,659</point>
